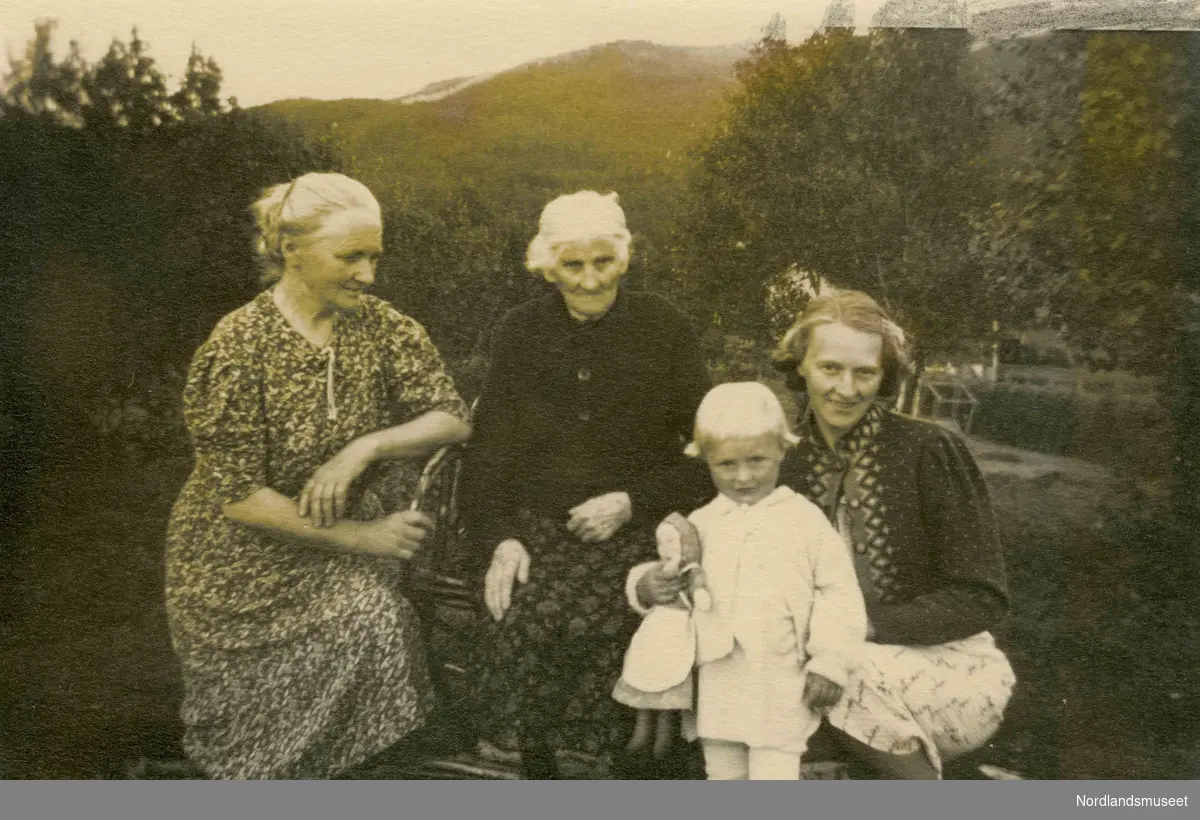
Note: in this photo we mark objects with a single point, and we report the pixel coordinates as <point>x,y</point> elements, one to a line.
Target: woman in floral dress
<point>300,658</point>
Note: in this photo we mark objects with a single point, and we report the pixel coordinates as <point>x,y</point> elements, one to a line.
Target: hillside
<point>621,115</point>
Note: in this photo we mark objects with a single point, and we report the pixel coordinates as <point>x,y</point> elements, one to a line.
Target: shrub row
<point>1125,432</point>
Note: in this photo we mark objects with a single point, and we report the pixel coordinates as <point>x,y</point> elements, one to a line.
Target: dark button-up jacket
<point>924,536</point>
<point>573,410</point>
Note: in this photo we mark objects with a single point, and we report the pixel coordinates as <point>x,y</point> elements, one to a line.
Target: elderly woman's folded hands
<point>599,518</point>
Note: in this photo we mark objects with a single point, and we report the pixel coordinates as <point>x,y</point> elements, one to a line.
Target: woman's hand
<point>599,518</point>
<point>510,562</point>
<point>659,586</point>
<point>324,496</point>
<point>398,535</point>
<point>820,693</point>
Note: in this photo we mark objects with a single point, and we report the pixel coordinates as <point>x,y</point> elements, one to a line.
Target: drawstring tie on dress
<point>330,395</point>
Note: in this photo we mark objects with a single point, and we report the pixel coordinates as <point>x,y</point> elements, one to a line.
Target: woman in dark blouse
<point>913,509</point>
<point>578,454</point>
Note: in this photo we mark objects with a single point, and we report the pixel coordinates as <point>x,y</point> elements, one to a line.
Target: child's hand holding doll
<point>677,578</point>
<point>659,586</point>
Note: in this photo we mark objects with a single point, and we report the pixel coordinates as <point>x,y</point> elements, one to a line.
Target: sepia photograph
<point>391,391</point>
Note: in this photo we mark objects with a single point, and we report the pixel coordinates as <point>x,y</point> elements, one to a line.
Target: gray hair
<point>583,216</point>
<point>293,209</point>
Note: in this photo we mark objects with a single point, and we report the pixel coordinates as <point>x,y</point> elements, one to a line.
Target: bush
<point>735,358</point>
<point>1038,420</point>
<point>1129,432</point>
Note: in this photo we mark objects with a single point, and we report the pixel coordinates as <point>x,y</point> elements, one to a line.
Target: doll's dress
<point>657,673</point>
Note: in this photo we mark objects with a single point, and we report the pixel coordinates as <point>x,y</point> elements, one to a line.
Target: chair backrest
<point>435,575</point>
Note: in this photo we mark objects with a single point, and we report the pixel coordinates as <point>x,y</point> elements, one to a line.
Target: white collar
<point>723,504</point>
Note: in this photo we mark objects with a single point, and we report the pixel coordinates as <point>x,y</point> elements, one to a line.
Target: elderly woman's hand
<point>599,518</point>
<point>510,562</point>
<point>324,496</point>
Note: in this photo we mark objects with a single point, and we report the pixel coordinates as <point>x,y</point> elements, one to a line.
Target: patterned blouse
<point>265,408</point>
<point>926,546</point>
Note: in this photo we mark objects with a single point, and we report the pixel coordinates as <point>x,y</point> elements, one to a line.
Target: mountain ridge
<point>440,89</point>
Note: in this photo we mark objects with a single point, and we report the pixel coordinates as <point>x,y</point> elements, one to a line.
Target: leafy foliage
<point>124,90</point>
<point>127,236</point>
<point>1084,228</point>
<point>853,159</point>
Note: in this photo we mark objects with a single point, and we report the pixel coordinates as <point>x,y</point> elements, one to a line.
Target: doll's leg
<point>665,732</point>
<point>642,729</point>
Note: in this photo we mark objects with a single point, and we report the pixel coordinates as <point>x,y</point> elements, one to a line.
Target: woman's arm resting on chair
<point>398,535</point>
<point>324,496</point>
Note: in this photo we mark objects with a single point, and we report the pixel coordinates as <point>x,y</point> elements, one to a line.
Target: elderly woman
<point>300,658</point>
<point>913,510</point>
<point>578,454</point>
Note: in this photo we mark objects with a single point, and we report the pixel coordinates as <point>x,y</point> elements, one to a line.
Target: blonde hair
<point>584,216</point>
<point>738,410</point>
<point>853,309</point>
<point>293,209</point>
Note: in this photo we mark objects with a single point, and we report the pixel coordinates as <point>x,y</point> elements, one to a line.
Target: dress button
<point>855,503</point>
<point>584,374</point>
<point>585,415</point>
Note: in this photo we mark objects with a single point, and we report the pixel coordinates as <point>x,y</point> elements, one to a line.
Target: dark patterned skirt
<point>547,670</point>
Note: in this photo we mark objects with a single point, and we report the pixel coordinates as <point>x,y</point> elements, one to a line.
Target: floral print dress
<point>913,511</point>
<point>297,662</point>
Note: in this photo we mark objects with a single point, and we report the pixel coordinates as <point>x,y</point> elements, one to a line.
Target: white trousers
<point>725,760</point>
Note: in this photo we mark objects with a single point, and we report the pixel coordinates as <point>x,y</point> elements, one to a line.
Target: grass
<point>1103,635</point>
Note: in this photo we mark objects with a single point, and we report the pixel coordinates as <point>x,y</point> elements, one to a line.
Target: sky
<point>332,49</point>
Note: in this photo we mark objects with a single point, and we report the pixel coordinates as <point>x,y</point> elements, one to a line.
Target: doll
<point>657,676</point>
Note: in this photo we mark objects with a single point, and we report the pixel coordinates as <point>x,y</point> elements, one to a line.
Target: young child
<point>787,619</point>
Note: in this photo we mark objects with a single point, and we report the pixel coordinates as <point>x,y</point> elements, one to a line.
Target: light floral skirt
<point>946,700</point>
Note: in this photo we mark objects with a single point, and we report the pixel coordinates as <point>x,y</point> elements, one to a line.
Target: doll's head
<point>678,541</point>
<point>679,547</point>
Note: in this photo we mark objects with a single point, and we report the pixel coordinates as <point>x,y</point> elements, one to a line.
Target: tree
<point>199,94</point>
<point>127,91</point>
<point>39,87</point>
<point>838,14</point>
<point>853,158</point>
<point>1084,227</point>
<point>127,236</point>
<point>1185,376</point>
<point>1095,226</point>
